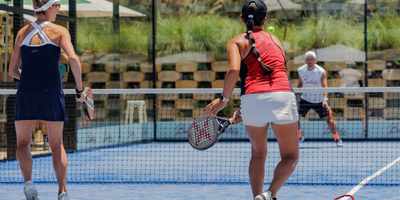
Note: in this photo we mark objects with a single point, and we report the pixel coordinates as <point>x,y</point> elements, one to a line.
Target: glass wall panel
<point>115,41</point>
<point>383,57</point>
<point>113,44</point>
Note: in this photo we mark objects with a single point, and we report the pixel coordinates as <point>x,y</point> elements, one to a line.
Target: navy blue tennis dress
<point>40,94</point>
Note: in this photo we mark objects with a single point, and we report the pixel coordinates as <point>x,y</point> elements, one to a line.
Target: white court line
<point>362,183</point>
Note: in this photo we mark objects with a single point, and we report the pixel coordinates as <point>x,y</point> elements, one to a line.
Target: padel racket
<point>206,130</point>
<point>346,196</point>
<point>88,104</point>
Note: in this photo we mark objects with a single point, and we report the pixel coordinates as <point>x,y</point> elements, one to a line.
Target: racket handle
<point>231,120</point>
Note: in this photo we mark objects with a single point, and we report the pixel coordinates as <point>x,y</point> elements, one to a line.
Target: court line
<point>362,183</point>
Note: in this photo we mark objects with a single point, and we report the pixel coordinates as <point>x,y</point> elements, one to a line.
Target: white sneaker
<point>339,143</point>
<point>63,196</point>
<point>30,191</point>
<point>267,195</point>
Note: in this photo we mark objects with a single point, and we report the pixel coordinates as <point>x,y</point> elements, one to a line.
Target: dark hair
<point>268,70</point>
<point>38,4</point>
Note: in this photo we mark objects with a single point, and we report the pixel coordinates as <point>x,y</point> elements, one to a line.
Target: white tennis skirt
<point>261,108</point>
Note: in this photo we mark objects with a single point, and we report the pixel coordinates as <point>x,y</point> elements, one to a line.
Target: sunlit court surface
<point>127,159</point>
<point>175,171</point>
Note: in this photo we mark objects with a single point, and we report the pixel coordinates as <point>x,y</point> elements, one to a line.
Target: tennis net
<point>139,136</point>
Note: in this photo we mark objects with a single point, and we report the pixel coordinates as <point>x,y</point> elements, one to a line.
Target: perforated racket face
<point>88,105</point>
<point>203,132</point>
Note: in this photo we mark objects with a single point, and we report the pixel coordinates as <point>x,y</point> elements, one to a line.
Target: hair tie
<point>250,16</point>
<point>259,59</point>
<point>249,31</point>
<point>253,45</point>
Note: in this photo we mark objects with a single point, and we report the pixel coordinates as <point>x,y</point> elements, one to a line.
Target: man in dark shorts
<point>312,75</point>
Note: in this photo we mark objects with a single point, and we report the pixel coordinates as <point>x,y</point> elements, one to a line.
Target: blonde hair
<point>38,4</point>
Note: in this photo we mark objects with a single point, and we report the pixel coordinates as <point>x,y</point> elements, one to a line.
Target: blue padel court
<point>168,170</point>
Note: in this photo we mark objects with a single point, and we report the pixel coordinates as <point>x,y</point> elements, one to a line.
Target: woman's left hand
<point>215,106</point>
<point>82,97</point>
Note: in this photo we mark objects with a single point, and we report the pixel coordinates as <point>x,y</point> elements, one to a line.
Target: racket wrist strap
<point>77,91</point>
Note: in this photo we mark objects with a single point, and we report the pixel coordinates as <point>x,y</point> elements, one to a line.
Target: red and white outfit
<point>266,98</point>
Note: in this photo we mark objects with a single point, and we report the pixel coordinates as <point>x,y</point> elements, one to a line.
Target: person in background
<point>349,77</point>
<point>312,75</point>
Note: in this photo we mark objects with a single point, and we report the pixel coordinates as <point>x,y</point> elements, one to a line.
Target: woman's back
<point>251,72</point>
<point>40,94</point>
<point>52,31</point>
<point>40,57</point>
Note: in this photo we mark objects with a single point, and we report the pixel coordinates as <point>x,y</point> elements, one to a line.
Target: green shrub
<point>383,32</point>
<point>210,32</point>
<point>325,31</point>
<point>96,35</point>
<point>196,33</point>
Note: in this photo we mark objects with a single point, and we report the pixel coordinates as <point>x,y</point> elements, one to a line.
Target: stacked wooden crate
<point>6,31</point>
<point>187,107</point>
<point>4,77</point>
<point>202,70</point>
<point>186,70</point>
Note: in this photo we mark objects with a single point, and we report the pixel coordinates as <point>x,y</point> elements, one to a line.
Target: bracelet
<point>326,99</point>
<point>223,98</point>
<point>77,91</point>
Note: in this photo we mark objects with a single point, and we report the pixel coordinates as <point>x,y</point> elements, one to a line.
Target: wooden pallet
<point>391,113</point>
<point>351,113</point>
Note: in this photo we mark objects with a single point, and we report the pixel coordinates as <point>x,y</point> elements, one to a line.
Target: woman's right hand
<point>236,117</point>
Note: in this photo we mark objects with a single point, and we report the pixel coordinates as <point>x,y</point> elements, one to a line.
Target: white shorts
<point>261,108</point>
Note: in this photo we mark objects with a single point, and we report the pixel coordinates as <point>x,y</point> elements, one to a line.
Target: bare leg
<point>258,139</point>
<point>332,126</point>
<point>55,130</point>
<point>286,136</point>
<point>24,157</point>
<point>299,129</point>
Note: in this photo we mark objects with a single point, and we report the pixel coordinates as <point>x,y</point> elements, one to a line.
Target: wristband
<point>223,98</point>
<point>77,91</point>
<point>326,99</point>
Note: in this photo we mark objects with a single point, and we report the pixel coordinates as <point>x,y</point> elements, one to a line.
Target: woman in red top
<point>266,97</point>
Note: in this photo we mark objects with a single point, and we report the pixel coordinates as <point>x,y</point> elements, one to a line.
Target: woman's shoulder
<point>239,38</point>
<point>55,31</point>
<point>23,32</point>
<point>56,27</point>
<point>240,41</point>
<point>24,29</point>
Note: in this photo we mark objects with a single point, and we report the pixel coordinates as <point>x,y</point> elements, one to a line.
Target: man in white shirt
<point>312,75</point>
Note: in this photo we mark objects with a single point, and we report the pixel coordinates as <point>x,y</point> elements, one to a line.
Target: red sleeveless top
<point>251,73</point>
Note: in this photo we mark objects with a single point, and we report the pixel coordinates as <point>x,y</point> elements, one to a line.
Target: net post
<point>72,24</point>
